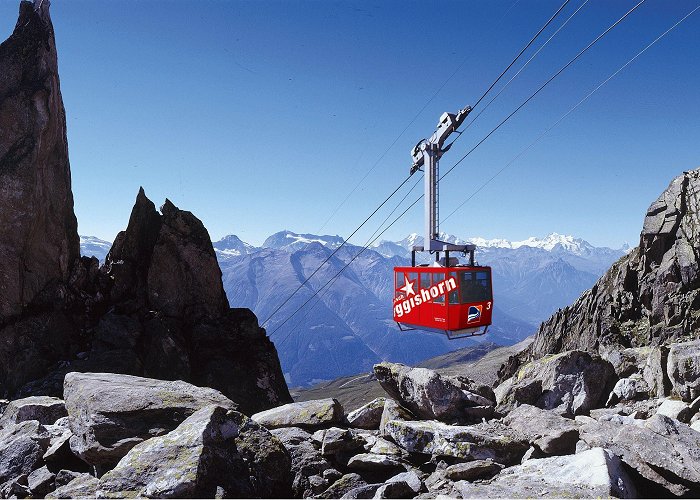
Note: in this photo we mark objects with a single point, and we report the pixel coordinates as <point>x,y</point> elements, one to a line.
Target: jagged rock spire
<point>38,228</point>
<point>650,296</point>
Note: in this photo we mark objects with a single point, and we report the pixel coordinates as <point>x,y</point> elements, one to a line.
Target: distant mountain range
<point>348,327</point>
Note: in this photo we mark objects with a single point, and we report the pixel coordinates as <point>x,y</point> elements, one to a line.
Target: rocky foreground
<point>569,425</point>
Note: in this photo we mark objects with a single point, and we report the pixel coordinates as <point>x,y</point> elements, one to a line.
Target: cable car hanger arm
<point>448,123</point>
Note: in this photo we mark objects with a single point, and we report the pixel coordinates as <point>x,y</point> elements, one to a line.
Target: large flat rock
<point>573,382</point>
<point>305,414</point>
<point>109,413</point>
<point>661,449</point>
<point>492,440</point>
<point>591,474</point>
<point>44,409</point>
<point>191,461</point>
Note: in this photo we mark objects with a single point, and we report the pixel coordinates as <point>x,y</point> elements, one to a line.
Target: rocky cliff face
<point>156,308</point>
<point>649,297</point>
<point>38,229</point>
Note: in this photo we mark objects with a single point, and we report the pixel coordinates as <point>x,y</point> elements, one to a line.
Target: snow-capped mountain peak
<point>553,242</point>
<point>290,241</point>
<point>91,246</point>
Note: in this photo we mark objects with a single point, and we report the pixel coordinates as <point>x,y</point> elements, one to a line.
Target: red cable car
<point>444,296</point>
<point>455,300</point>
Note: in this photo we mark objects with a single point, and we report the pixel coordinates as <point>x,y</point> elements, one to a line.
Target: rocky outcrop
<point>157,308</point>
<point>573,382</point>
<point>648,297</point>
<point>166,263</point>
<point>38,228</point>
<point>166,288</point>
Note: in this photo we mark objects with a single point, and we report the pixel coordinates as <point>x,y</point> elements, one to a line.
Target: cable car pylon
<point>445,296</point>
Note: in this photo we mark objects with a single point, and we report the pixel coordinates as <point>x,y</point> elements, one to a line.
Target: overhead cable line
<point>362,250</point>
<point>415,117</point>
<point>555,75</point>
<point>520,70</point>
<point>337,249</point>
<point>532,96</point>
<point>330,284</point>
<point>394,142</point>
<point>521,52</point>
<point>574,108</point>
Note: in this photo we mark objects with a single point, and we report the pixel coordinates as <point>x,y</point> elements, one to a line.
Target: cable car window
<point>424,280</point>
<point>476,287</point>
<point>412,277</point>
<point>437,278</point>
<point>400,280</point>
<point>454,294</point>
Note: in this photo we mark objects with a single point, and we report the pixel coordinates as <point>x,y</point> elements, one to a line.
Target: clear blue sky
<point>263,115</point>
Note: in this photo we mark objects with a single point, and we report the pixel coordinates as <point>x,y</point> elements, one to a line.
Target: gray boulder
<point>307,460</point>
<point>674,408</point>
<point>268,461</point>
<point>193,460</point>
<point>646,363</point>
<point>41,482</point>
<point>661,449</point>
<point>410,478</point>
<point>572,382</point>
<point>22,447</point>
<point>63,477</point>
<point>110,414</point>
<point>44,409</point>
<point>491,440</point>
<point>58,444</point>
<point>365,491</point>
<point>83,486</point>
<point>684,369</point>
<point>368,416</point>
<point>376,464</point>
<point>395,489</point>
<point>393,411</point>
<point>381,446</point>
<point>550,433</point>
<point>343,486</point>
<point>305,414</point>
<point>471,471</point>
<point>427,394</point>
<point>590,474</point>
<point>337,440</point>
<point>628,389</point>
